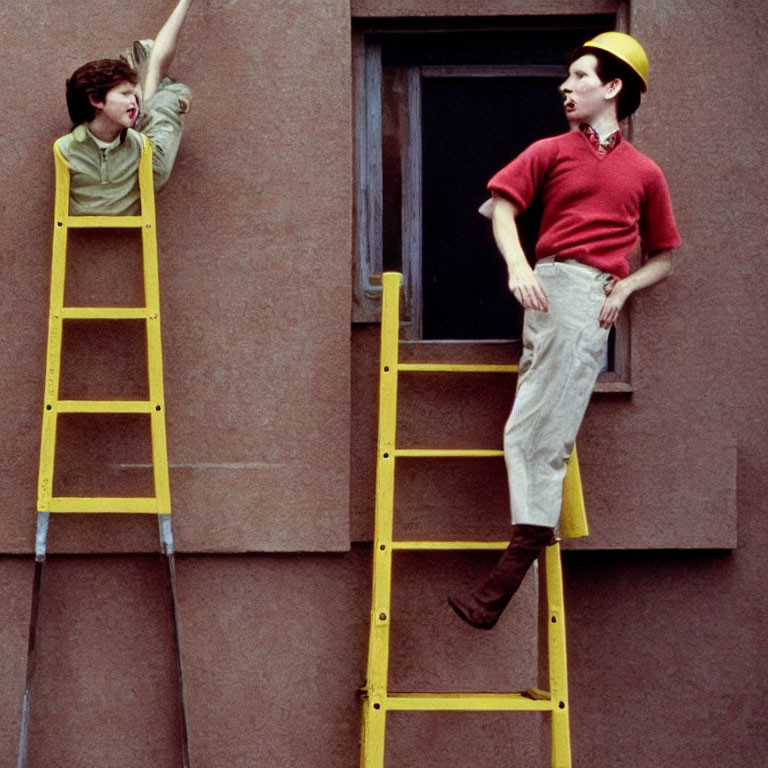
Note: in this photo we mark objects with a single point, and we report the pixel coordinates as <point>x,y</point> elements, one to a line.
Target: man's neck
<point>105,130</point>
<point>603,126</point>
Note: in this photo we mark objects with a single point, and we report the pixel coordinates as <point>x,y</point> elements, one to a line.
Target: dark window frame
<point>368,261</point>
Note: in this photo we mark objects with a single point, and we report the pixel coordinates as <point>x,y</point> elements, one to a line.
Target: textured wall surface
<point>274,654</point>
<point>254,236</point>
<point>665,647</point>
<point>397,8</point>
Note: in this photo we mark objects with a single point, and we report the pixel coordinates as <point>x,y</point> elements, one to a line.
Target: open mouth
<point>132,113</point>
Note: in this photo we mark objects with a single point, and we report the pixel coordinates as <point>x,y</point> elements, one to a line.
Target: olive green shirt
<point>104,180</point>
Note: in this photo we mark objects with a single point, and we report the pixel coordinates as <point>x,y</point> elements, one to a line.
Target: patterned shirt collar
<point>611,142</point>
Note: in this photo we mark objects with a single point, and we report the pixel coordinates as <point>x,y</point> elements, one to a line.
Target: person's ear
<point>614,88</point>
<point>95,103</point>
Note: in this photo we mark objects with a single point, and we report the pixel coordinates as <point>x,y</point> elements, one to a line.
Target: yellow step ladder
<point>160,503</point>
<point>377,700</point>
<point>153,407</point>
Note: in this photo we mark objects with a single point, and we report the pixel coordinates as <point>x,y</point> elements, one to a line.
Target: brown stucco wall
<point>447,8</point>
<point>274,654</point>
<point>254,235</point>
<point>664,647</point>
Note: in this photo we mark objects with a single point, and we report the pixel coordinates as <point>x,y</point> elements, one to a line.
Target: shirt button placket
<point>103,167</point>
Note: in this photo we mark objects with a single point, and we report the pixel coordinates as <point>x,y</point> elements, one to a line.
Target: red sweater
<point>596,206</point>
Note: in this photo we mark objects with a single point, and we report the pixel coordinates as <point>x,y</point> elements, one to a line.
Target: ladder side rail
<point>374,714</point>
<point>154,343</point>
<point>156,396</point>
<point>573,520</point>
<point>557,653</point>
<point>160,462</point>
<point>55,331</point>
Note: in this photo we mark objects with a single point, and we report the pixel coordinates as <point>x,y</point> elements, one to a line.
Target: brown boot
<point>483,605</point>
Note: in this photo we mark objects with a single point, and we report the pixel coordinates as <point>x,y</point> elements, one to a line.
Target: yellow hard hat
<point>625,48</point>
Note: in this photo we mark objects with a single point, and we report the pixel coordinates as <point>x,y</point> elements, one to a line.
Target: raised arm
<point>523,283</point>
<point>164,48</point>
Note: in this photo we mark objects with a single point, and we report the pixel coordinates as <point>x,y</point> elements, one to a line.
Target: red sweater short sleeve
<point>595,206</point>
<point>521,180</point>
<point>658,230</point>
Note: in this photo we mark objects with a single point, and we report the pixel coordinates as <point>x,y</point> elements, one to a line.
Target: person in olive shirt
<point>112,101</point>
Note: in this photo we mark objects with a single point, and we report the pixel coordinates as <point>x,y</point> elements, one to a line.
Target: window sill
<point>610,383</point>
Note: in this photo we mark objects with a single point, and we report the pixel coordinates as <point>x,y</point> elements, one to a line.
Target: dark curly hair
<point>610,68</point>
<point>95,79</point>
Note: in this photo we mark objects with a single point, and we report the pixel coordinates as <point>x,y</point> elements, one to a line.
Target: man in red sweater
<point>602,201</point>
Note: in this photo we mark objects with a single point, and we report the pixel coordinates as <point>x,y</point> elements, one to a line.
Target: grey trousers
<point>563,352</point>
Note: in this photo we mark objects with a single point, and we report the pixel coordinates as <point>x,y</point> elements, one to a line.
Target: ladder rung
<point>537,693</point>
<point>103,406</point>
<point>420,453</point>
<point>128,504</point>
<point>446,545</point>
<point>466,701</point>
<point>104,222</point>
<point>456,368</point>
<point>105,313</point>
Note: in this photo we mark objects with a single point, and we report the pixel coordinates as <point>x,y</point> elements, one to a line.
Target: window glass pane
<point>394,127</point>
<point>471,127</point>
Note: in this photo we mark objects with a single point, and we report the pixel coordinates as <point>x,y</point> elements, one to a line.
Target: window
<point>442,105</point>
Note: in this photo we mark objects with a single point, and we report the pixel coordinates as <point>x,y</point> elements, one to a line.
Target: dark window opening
<point>458,99</point>
<point>472,127</point>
